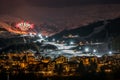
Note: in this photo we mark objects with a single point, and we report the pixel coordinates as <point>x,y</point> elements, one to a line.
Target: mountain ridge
<point>96,30</point>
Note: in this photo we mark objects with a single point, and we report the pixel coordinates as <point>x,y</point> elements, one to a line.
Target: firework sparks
<point>24,26</point>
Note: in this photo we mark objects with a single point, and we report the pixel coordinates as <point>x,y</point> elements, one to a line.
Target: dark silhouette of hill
<point>21,47</point>
<point>2,29</point>
<point>15,40</point>
<point>100,30</point>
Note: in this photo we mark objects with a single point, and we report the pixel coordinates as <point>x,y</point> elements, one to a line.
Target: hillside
<point>99,30</point>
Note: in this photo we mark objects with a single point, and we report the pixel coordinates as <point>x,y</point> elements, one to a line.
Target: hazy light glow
<point>99,56</point>
<point>110,52</point>
<point>40,35</point>
<point>53,40</point>
<point>86,49</point>
<point>71,42</point>
<point>31,34</point>
<point>46,36</point>
<point>94,50</point>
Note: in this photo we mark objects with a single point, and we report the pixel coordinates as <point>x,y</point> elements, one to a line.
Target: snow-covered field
<point>63,50</point>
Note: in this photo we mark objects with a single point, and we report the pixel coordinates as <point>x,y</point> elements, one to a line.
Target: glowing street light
<point>31,35</point>
<point>86,49</point>
<point>53,39</point>
<point>57,41</point>
<point>46,36</point>
<point>110,52</point>
<point>71,42</point>
<point>94,50</point>
<point>40,35</point>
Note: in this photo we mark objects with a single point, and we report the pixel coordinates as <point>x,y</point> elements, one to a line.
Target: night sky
<point>59,14</point>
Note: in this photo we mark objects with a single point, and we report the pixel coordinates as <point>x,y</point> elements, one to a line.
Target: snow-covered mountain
<point>99,30</point>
